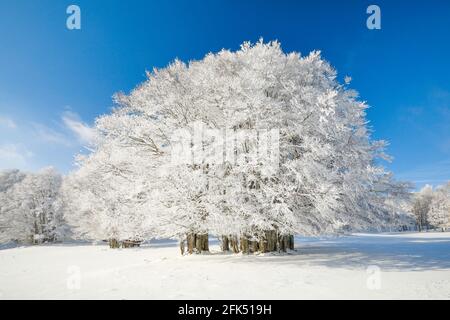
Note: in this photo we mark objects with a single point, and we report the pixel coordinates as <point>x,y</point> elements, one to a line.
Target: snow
<point>411,265</point>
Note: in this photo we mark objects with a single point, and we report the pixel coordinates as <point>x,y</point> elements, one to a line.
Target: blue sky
<point>55,81</point>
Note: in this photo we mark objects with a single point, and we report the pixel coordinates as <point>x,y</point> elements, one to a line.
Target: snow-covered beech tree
<point>439,209</point>
<point>421,206</point>
<point>30,207</point>
<point>398,208</point>
<point>275,147</point>
<point>106,198</point>
<point>431,207</point>
<point>9,178</point>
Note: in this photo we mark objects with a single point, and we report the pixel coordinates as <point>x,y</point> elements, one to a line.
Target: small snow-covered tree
<point>431,207</point>
<point>9,178</point>
<point>439,210</point>
<point>30,208</point>
<point>106,198</point>
<point>421,206</point>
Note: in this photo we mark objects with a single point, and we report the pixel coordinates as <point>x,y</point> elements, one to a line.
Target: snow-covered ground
<point>362,266</point>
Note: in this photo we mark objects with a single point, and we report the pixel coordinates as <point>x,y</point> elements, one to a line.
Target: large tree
<point>276,147</point>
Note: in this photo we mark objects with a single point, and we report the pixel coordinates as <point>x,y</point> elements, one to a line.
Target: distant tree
<point>439,210</point>
<point>106,198</point>
<point>9,178</point>
<point>30,209</point>
<point>421,206</point>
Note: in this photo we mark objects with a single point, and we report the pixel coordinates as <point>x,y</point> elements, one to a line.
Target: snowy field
<point>363,266</point>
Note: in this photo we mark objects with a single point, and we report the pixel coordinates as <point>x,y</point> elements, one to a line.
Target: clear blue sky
<point>54,82</point>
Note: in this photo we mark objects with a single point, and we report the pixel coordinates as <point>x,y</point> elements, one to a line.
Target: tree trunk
<point>114,244</point>
<point>291,242</point>
<point>271,238</point>
<point>36,231</point>
<point>286,243</point>
<point>190,239</point>
<point>182,246</point>
<point>201,243</point>
<point>130,243</point>
<point>263,245</point>
<point>225,244</point>
<point>254,246</point>
<point>244,245</point>
<point>198,243</point>
<point>281,243</point>
<point>234,244</point>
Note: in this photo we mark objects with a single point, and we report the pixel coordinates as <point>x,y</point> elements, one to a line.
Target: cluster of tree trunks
<point>271,242</point>
<point>198,243</point>
<point>114,243</point>
<point>194,243</point>
<point>33,239</point>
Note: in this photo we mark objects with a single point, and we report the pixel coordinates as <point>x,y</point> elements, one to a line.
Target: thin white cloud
<point>14,156</point>
<point>7,122</point>
<point>82,131</point>
<point>44,140</point>
<point>50,135</point>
